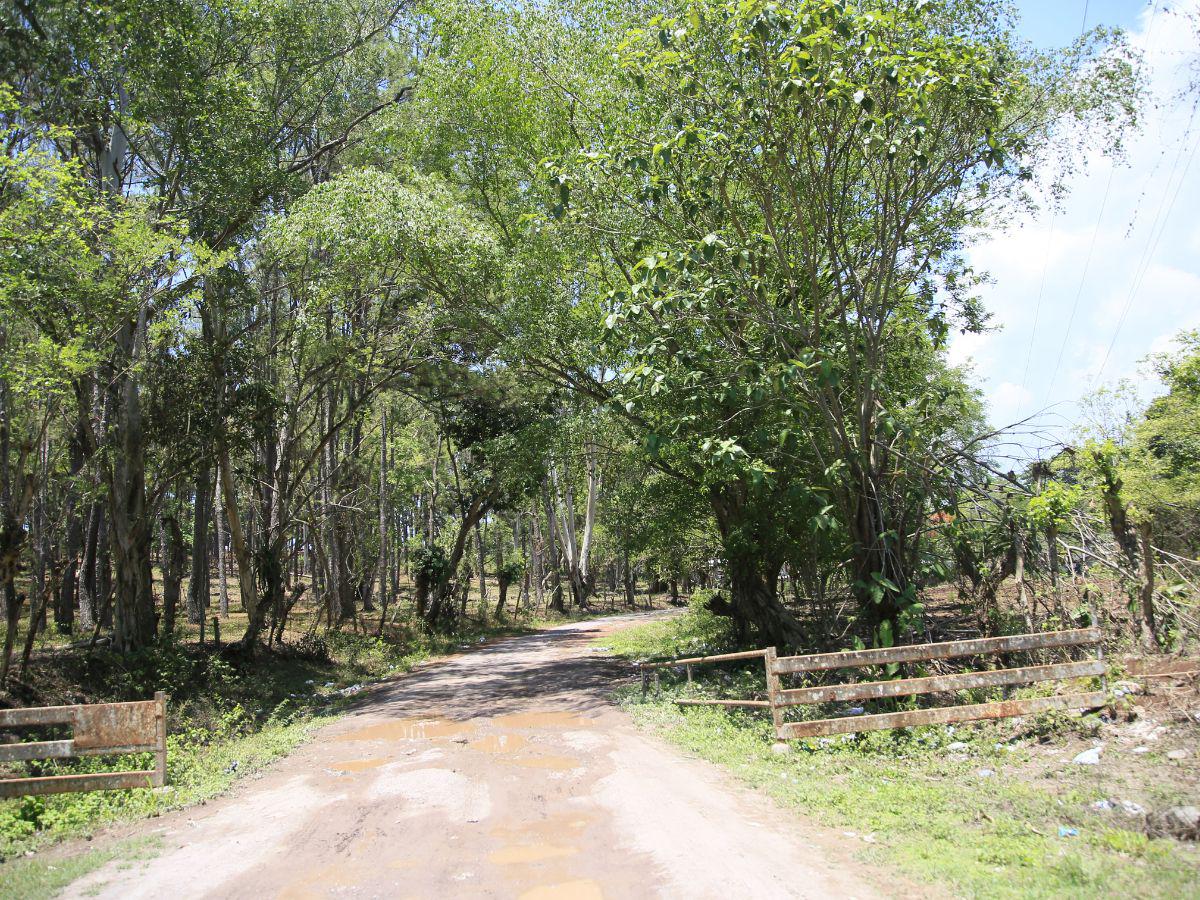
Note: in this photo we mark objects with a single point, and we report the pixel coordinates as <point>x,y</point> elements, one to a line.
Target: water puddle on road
<point>543,719</point>
<point>583,889</point>
<point>359,765</point>
<point>549,829</point>
<point>409,729</point>
<point>529,853</point>
<point>498,743</point>
<point>550,761</point>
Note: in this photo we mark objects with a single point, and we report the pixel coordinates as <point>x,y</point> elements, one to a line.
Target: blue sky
<point>1082,295</point>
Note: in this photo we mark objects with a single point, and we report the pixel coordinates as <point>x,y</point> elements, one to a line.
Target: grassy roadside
<point>228,718</point>
<point>990,810</point>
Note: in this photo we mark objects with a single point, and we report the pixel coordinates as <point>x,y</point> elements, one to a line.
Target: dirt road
<point>503,772</point>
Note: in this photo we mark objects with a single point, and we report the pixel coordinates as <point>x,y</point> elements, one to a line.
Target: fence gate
<point>778,698</point>
<point>97,729</point>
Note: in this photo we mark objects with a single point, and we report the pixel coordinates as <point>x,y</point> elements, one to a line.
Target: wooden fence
<point>778,698</point>
<point>96,730</point>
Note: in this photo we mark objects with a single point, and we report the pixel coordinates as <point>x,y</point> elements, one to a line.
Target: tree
<point>1162,465</point>
<point>783,209</point>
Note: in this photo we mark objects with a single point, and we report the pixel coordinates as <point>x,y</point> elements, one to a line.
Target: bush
<point>695,632</point>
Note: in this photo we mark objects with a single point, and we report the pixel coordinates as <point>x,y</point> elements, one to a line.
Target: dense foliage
<point>364,303</point>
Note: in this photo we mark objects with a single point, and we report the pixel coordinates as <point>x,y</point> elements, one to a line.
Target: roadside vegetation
<point>357,331</point>
<point>984,810</point>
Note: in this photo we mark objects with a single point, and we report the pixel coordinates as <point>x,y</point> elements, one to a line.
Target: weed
<point>972,818</point>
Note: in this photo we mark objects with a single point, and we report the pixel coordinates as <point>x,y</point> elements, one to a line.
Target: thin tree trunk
<point>481,557</point>
<point>539,548</point>
<point>68,589</point>
<point>173,558</point>
<point>241,551</point>
<point>199,584</point>
<point>222,569</point>
<point>1149,628</point>
<point>89,587</point>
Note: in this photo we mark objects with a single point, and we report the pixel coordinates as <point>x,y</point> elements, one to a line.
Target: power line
<point>1082,279</point>
<point>1151,246</point>
<point>1037,312</point>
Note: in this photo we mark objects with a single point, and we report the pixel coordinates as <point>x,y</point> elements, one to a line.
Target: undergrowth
<point>695,631</point>
<point>979,808</point>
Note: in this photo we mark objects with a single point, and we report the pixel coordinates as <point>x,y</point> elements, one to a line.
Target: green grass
<point>39,878</point>
<point>692,632</point>
<point>913,805</point>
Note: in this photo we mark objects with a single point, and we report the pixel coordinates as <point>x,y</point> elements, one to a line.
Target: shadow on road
<point>558,669</point>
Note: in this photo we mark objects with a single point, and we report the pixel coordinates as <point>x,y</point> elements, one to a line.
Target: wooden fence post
<point>773,688</point>
<point>160,755</point>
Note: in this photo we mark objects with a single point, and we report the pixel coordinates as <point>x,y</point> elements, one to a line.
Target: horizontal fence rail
<point>941,715</point>
<point>778,699</point>
<point>697,660</point>
<point>906,687</point>
<point>849,659</point>
<point>97,730</point>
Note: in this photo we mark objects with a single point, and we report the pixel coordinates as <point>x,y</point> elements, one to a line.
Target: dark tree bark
<point>68,586</point>
<point>199,582</point>
<point>173,560</point>
<point>133,619</point>
<point>753,574</point>
<point>552,553</point>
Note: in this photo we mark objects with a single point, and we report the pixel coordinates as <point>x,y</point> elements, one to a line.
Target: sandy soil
<point>502,772</point>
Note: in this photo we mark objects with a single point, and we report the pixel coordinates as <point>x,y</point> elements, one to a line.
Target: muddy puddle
<point>543,719</point>
<point>583,889</point>
<point>548,829</point>
<point>519,854</point>
<point>498,743</point>
<point>358,765</point>
<point>410,729</point>
<point>548,761</point>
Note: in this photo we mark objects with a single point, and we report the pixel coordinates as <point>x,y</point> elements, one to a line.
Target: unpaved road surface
<point>503,772</point>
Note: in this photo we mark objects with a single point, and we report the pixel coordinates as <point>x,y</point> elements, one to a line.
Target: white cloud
<point>1007,401</point>
<point>1125,241</point>
<point>970,348</point>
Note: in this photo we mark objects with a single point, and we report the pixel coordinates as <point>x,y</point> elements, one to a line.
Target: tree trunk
<point>440,590</point>
<point>247,589</point>
<point>539,547</point>
<point>199,584</point>
<point>481,556</point>
<point>222,568</point>
<point>133,614</point>
<point>552,554</point>
<point>68,588</point>
<point>1022,589</point>
<point>89,585</point>
<point>502,583</point>
<point>753,575</point>
<point>173,558</point>
<point>630,583</point>
<point>1149,628</point>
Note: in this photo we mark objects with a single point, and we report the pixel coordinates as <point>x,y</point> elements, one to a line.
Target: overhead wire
<point>1160,223</point>
<point>1037,312</point>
